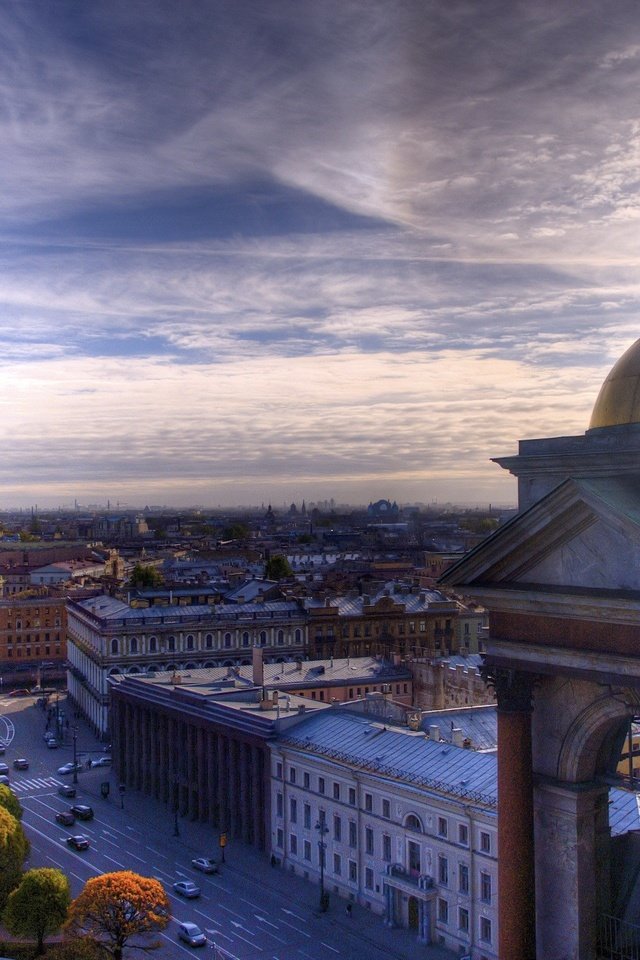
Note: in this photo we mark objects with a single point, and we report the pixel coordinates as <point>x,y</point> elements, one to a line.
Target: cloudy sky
<point>267,251</point>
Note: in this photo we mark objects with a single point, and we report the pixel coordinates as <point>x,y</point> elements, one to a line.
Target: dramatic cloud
<point>267,251</point>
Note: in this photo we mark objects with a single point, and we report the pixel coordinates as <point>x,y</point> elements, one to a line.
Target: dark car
<point>4,769</point>
<point>66,790</point>
<point>21,764</point>
<point>78,842</point>
<point>52,743</point>
<point>82,811</point>
<point>66,818</point>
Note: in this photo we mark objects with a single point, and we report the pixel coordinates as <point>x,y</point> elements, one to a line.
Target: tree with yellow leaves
<point>120,909</point>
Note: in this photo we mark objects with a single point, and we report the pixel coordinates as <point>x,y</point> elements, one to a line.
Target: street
<point>247,910</point>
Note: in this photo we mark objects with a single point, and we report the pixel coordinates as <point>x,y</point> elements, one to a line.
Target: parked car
<point>49,735</point>
<point>21,764</point>
<point>66,818</point>
<point>2,749</point>
<point>52,743</point>
<point>192,934</point>
<point>4,780</point>
<point>69,767</point>
<point>205,864</point>
<point>101,762</point>
<point>186,888</point>
<point>78,842</point>
<point>82,811</point>
<point>66,790</point>
<point>4,769</point>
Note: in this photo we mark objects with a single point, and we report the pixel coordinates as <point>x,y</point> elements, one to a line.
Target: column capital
<point>513,688</point>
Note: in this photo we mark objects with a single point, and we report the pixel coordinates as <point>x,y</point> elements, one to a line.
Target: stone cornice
<point>623,607</point>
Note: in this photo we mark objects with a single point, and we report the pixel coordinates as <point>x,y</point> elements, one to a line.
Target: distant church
<point>383,509</point>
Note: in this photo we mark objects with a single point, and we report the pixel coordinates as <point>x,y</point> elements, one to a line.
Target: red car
<point>19,693</point>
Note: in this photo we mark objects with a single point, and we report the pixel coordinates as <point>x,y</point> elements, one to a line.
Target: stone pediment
<point>585,534</point>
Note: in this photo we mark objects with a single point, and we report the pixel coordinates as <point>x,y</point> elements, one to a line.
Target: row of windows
<point>336,790</point>
<point>358,691</point>
<point>226,641</point>
<point>486,932</point>
<point>27,652</point>
<point>32,638</point>
<point>462,836</point>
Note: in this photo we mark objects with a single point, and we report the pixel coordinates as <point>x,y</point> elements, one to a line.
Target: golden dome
<point>618,402</point>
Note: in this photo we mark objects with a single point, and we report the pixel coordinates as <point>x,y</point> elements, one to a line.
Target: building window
<point>485,929</point>
<point>114,645</point>
<point>443,871</point>
<point>463,834</point>
<point>245,639</point>
<point>337,828</point>
<point>307,850</point>
<point>171,644</point>
<point>279,769</point>
<point>280,838</point>
<point>463,878</point>
<point>386,848</point>
<point>353,871</point>
<point>386,809</point>
<point>463,919</point>
<point>442,827</point>
<point>485,887</point>
<point>208,641</point>
<point>293,810</point>
<point>320,784</point>
<point>133,645</point>
<point>227,639</point>
<point>279,805</point>
<point>307,815</point>
<point>353,834</point>
<point>368,878</point>
<point>485,842</point>
<point>281,637</point>
<point>368,840</point>
<point>190,642</point>
<point>306,780</point>
<point>336,791</point>
<point>292,774</point>
<point>443,910</point>
<point>337,864</point>
<point>263,638</point>
<point>352,796</point>
<point>298,636</point>
<point>293,845</point>
<point>153,645</point>
<point>368,802</point>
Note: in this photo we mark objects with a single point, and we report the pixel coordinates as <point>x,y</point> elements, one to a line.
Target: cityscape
<point>319,494</point>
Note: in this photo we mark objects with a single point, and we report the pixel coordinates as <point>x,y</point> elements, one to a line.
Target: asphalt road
<point>245,912</point>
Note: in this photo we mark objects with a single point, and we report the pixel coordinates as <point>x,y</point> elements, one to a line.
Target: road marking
<point>117,862</point>
<point>328,947</point>
<point>301,932</point>
<point>264,920</point>
<point>291,913</point>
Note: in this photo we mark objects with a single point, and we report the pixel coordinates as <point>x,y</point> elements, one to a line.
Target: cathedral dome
<point>618,402</point>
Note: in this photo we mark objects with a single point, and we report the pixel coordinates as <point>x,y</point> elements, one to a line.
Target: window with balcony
<point>386,848</point>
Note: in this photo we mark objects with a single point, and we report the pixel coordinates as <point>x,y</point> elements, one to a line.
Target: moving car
<point>52,743</point>
<point>4,769</point>
<point>66,790</point>
<point>186,888</point>
<point>78,842</point>
<point>4,780</point>
<point>101,762</point>
<point>82,811</point>
<point>69,767</point>
<point>21,764</point>
<point>205,864</point>
<point>192,934</point>
<point>66,818</point>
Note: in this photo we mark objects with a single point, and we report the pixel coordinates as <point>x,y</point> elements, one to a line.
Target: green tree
<point>145,577</point>
<point>10,802</point>
<point>236,531</point>
<point>117,909</point>
<point>14,849</point>
<point>277,567</point>
<point>38,907</point>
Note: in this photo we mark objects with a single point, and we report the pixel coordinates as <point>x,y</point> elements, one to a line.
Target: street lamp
<point>75,754</point>
<point>322,829</point>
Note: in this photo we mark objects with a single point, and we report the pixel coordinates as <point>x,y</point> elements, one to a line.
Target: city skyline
<point>294,250</point>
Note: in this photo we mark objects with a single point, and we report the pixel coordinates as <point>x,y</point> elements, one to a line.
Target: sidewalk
<point>243,860</point>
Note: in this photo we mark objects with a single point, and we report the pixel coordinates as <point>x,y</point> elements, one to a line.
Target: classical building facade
<point>401,824</point>
<point>561,582</point>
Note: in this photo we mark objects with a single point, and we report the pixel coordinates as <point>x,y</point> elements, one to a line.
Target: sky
<point>270,251</point>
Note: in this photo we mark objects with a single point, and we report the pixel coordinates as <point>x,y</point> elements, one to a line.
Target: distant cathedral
<point>383,508</point>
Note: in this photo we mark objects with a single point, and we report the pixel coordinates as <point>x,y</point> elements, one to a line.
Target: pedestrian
<point>349,910</point>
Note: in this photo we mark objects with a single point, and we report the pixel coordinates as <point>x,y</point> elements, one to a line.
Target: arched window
<point>190,642</point>
<point>153,645</point>
<point>298,636</point>
<point>263,637</point>
<point>171,643</point>
<point>190,666</point>
<point>114,645</point>
<point>245,639</point>
<point>208,641</point>
<point>227,639</point>
<point>413,823</point>
<point>133,645</point>
<point>280,637</point>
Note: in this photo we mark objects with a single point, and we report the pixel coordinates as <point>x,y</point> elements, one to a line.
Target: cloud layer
<point>288,250</point>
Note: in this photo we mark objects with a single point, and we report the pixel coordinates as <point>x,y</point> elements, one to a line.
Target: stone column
<point>571,880</point>
<point>516,900</point>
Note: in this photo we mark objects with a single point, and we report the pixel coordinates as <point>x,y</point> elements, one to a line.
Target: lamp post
<point>176,828</point>
<point>75,754</point>
<point>323,830</point>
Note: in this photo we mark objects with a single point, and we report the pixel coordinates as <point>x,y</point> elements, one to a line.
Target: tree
<point>38,907</point>
<point>14,849</point>
<point>145,577</point>
<point>277,567</point>
<point>10,802</point>
<point>115,908</point>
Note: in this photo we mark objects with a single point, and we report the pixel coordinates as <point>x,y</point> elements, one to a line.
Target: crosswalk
<point>35,783</point>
